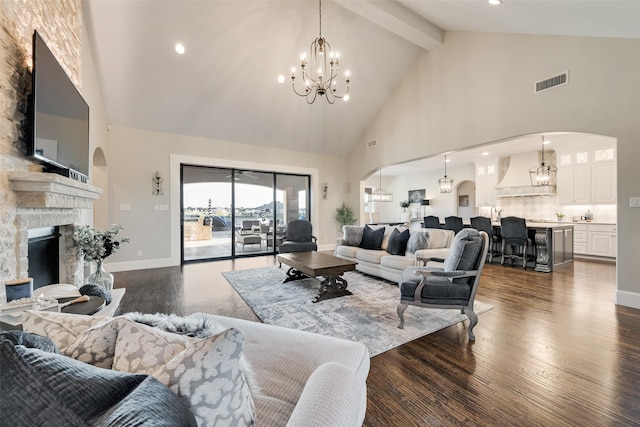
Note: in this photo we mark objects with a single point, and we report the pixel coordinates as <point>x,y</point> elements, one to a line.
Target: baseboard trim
<point>628,299</point>
<point>139,265</point>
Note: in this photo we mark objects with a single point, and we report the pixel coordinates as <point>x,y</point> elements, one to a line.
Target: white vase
<point>100,277</point>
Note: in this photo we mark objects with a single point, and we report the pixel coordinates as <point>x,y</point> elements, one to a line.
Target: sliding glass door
<point>227,213</point>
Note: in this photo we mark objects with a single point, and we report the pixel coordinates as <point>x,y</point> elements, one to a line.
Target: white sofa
<point>295,378</point>
<point>380,263</point>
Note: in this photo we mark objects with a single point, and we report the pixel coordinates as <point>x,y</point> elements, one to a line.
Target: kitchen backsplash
<point>545,208</point>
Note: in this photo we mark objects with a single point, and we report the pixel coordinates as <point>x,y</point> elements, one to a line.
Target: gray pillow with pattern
<point>208,376</point>
<point>419,239</point>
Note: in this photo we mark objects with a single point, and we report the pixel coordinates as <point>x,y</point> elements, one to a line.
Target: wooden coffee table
<point>313,264</point>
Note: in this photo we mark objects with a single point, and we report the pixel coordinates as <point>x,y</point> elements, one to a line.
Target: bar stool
<point>453,223</point>
<point>515,235</point>
<point>483,223</point>
<point>431,221</point>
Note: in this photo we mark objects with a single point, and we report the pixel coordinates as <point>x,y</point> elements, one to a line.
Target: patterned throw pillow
<point>97,345</point>
<point>208,376</point>
<point>141,349</point>
<point>61,328</point>
<point>352,234</point>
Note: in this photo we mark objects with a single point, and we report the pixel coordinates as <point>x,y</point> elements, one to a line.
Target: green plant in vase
<point>95,246</point>
<point>404,205</point>
<point>559,215</point>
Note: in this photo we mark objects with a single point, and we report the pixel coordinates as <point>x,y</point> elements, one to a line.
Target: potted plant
<point>559,215</point>
<point>96,246</point>
<point>344,215</point>
<point>404,205</point>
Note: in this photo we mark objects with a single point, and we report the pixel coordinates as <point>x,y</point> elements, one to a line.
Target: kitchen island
<point>553,243</point>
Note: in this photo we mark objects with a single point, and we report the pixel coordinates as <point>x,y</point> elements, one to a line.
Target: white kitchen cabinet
<point>580,239</point>
<point>603,182</point>
<point>601,240</point>
<point>574,184</point>
<point>486,181</point>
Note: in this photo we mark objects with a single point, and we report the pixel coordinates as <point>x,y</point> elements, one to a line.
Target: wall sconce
<point>324,190</point>
<point>156,182</point>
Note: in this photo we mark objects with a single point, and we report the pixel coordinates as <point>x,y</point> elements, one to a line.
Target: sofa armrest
<point>341,242</point>
<point>333,396</point>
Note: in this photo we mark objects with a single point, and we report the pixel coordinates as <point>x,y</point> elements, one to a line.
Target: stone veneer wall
<point>60,24</point>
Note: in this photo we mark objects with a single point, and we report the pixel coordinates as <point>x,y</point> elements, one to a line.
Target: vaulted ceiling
<point>225,85</point>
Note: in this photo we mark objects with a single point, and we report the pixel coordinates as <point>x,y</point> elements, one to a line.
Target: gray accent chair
<point>454,285</point>
<point>299,237</point>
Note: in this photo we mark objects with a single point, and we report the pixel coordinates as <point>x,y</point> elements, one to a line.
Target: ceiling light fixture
<point>544,174</point>
<point>380,194</point>
<point>180,49</point>
<point>320,71</point>
<point>495,2</point>
<point>446,184</point>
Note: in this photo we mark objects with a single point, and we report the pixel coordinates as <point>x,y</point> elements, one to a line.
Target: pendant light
<point>380,194</point>
<point>544,175</point>
<point>446,184</point>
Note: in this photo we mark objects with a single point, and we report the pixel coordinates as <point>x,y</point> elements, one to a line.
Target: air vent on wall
<point>372,143</point>
<point>560,79</point>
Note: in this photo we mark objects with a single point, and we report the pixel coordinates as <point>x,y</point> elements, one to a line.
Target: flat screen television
<point>58,117</point>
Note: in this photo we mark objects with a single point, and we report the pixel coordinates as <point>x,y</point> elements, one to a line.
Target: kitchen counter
<point>553,242</point>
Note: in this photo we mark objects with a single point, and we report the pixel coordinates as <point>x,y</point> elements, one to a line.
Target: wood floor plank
<point>554,351</point>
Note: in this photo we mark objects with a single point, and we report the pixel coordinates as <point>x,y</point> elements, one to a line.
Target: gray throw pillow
<point>398,242</point>
<point>352,234</point>
<point>419,239</point>
<point>464,251</point>
<point>46,389</point>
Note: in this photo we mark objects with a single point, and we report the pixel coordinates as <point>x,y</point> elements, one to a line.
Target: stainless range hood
<point>516,181</point>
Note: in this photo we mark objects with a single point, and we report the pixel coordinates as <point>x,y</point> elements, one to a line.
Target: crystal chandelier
<point>446,184</point>
<point>380,194</point>
<point>544,174</point>
<point>320,71</point>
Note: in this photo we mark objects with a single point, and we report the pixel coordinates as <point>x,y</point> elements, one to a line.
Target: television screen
<point>59,116</point>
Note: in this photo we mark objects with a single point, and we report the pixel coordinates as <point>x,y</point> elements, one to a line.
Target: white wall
<point>135,155</point>
<point>478,88</point>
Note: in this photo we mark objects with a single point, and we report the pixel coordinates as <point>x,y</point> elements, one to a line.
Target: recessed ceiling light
<point>486,153</point>
<point>180,49</point>
<point>495,2</point>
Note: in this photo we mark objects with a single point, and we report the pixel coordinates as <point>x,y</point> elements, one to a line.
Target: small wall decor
<point>463,201</point>
<point>324,190</point>
<point>156,184</point>
<point>416,196</point>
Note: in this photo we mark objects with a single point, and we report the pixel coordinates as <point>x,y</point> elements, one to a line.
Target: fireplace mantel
<point>53,191</point>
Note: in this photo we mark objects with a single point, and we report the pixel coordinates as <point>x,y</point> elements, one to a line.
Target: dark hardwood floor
<point>554,351</point>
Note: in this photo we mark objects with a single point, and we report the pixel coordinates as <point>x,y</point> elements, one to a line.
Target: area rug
<point>368,316</point>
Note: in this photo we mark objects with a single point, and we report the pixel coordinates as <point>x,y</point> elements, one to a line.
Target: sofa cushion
<point>372,239</point>
<point>397,262</point>
<point>419,239</point>
<point>439,239</point>
<point>347,251</point>
<point>370,256</point>
<point>352,234</point>
<point>41,388</point>
<point>398,242</point>
<point>208,376</point>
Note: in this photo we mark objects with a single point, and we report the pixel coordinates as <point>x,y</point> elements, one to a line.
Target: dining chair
<point>453,223</point>
<point>431,221</point>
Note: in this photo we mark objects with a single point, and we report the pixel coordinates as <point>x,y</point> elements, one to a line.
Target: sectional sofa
<point>379,250</point>
<point>237,373</point>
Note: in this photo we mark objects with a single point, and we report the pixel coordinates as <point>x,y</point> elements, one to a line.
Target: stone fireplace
<point>49,200</point>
